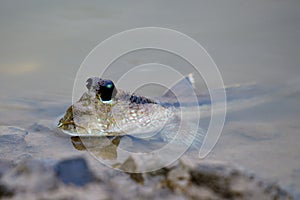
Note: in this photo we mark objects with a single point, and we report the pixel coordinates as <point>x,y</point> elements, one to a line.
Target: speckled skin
<point>125,114</point>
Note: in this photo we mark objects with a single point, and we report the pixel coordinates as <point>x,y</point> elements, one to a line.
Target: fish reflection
<point>103,147</point>
<point>106,148</point>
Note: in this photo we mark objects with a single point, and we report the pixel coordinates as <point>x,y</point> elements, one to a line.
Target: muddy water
<point>42,47</point>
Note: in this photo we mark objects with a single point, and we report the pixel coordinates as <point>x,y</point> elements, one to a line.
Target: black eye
<point>106,90</point>
<point>106,83</point>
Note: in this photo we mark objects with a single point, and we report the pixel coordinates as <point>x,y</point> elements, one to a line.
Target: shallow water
<point>43,45</point>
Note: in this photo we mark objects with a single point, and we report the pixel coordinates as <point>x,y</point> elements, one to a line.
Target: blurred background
<point>43,44</point>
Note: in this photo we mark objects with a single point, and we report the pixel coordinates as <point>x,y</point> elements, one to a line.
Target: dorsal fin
<point>181,87</point>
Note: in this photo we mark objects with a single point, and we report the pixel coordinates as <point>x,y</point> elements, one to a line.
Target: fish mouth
<point>66,122</point>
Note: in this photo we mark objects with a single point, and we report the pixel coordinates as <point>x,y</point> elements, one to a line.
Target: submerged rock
<point>74,171</point>
<point>213,180</point>
<point>30,176</point>
<point>72,179</point>
<point>13,144</point>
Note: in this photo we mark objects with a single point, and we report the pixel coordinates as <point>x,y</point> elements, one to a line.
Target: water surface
<point>43,45</point>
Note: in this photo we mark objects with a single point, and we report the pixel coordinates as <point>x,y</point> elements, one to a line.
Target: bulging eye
<point>107,84</point>
<point>106,90</point>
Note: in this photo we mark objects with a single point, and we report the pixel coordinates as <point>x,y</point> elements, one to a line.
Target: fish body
<point>130,114</point>
<point>122,114</point>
